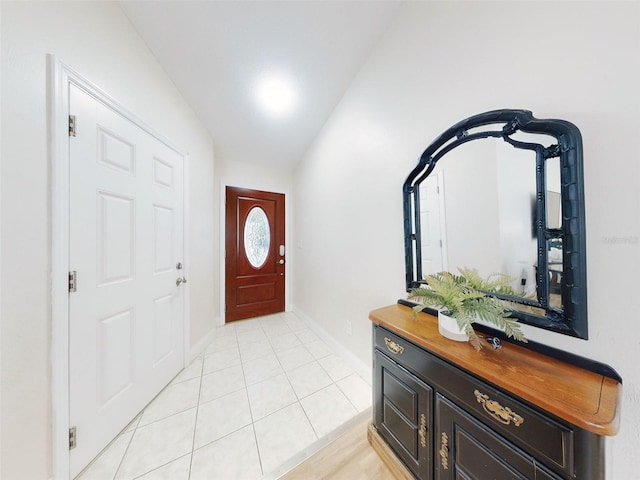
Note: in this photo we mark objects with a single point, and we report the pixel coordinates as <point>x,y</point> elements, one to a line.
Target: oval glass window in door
<point>257,237</point>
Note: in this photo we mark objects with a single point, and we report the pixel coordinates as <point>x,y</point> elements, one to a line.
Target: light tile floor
<point>264,390</point>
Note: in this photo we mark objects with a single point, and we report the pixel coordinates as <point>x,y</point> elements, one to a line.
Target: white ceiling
<point>215,50</point>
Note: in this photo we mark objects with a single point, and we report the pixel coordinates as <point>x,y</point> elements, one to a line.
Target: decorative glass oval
<point>257,237</point>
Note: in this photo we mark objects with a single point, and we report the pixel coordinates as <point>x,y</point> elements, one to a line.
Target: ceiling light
<point>276,94</point>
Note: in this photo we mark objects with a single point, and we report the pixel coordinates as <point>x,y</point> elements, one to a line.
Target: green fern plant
<point>464,297</point>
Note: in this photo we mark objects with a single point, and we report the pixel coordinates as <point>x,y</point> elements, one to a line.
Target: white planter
<point>448,327</point>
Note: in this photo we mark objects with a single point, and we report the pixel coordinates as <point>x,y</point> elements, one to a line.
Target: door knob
<point>180,281</point>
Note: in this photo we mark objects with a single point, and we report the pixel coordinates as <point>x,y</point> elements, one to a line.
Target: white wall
<point>439,63</point>
<point>95,39</point>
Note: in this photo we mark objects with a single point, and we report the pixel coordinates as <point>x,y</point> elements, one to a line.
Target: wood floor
<point>349,457</point>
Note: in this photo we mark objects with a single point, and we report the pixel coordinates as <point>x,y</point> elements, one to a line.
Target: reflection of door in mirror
<point>432,222</point>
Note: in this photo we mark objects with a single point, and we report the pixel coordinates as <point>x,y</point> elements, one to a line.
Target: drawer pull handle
<point>502,414</point>
<point>444,451</point>
<point>393,346</point>
<point>423,430</point>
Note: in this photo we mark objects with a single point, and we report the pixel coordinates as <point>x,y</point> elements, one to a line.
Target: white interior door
<point>432,232</point>
<point>125,243</point>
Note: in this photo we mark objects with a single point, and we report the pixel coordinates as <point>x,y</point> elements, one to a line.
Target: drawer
<point>549,441</point>
<point>403,352</point>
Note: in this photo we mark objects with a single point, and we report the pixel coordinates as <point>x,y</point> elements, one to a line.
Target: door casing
<point>60,77</point>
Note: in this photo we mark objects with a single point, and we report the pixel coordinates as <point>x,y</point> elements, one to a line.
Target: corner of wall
<point>353,361</point>
<point>201,346</point>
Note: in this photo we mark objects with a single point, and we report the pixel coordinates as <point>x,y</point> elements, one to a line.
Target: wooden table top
<point>589,400</point>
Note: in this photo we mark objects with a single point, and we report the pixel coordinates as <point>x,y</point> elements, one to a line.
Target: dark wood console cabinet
<point>448,412</point>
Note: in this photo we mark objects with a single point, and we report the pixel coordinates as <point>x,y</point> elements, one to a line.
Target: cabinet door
<point>467,449</point>
<point>402,414</point>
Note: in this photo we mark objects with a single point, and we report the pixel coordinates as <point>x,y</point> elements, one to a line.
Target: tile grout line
<point>347,396</point>
<point>286,375</point>
<point>81,475</point>
<point>253,423</point>
<point>294,391</point>
<point>333,382</point>
<point>159,420</point>
<point>195,424</point>
<point>253,420</point>
<point>115,474</point>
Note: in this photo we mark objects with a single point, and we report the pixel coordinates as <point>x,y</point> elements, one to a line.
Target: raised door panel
<point>115,237</point>
<point>162,241</point>
<point>116,152</point>
<point>115,340</point>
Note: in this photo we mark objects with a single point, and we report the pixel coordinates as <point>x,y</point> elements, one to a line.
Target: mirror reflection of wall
<point>517,187</point>
<point>482,213</point>
<point>554,203</point>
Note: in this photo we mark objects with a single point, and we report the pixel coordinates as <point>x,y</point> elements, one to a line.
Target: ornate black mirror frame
<point>571,319</point>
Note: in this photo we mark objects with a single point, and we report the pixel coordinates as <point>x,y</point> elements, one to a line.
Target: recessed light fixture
<point>276,94</point>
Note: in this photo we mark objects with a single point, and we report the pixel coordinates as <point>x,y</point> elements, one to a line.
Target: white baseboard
<point>352,360</point>
<point>202,344</point>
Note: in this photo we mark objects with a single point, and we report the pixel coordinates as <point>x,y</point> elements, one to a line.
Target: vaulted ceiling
<point>216,51</point>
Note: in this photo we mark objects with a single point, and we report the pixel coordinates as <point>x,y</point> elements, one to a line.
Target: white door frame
<point>60,77</point>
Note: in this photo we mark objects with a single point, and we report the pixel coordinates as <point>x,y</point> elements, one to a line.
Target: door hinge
<point>73,278</point>
<point>73,439</point>
<point>72,125</point>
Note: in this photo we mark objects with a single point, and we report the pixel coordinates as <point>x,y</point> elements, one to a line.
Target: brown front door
<point>254,223</point>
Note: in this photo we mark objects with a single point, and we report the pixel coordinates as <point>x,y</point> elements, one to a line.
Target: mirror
<point>502,192</point>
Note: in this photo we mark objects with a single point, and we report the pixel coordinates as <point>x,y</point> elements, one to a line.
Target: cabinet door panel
<point>402,414</point>
<point>400,427</point>
<point>542,474</point>
<point>401,396</point>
